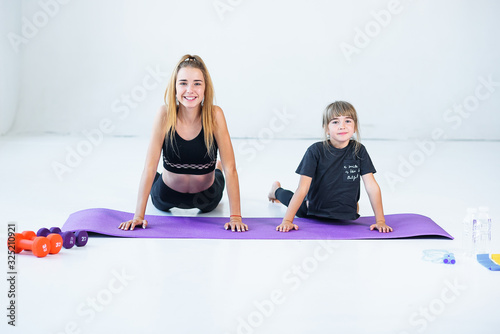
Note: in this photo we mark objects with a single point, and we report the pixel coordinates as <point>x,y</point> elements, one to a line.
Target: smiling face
<point>341,129</point>
<point>190,87</point>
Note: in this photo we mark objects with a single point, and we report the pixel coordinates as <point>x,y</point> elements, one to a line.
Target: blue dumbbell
<point>449,258</point>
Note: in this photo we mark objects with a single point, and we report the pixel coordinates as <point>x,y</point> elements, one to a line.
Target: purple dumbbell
<point>68,237</point>
<point>79,238</point>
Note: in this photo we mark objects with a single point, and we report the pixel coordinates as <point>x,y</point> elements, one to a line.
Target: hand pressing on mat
<point>286,225</point>
<point>295,202</point>
<point>381,227</point>
<point>235,224</point>
<point>131,224</point>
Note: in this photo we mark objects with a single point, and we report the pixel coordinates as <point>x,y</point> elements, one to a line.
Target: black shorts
<point>165,198</point>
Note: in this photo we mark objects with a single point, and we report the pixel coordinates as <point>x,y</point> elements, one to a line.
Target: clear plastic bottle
<point>482,231</point>
<point>468,237</point>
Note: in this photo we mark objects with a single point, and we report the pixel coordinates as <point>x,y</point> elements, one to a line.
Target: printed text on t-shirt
<point>351,171</point>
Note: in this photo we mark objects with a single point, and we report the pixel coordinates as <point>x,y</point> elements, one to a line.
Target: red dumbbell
<point>55,241</point>
<point>39,246</point>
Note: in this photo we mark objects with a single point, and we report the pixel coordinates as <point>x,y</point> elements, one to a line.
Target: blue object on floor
<point>449,259</point>
<point>439,256</point>
<point>485,260</point>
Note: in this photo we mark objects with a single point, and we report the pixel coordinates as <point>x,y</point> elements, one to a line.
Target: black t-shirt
<point>335,173</point>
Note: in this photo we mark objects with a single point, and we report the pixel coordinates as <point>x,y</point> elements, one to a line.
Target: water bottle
<point>482,231</point>
<point>468,238</point>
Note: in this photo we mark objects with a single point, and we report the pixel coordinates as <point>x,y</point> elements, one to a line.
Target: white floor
<point>251,286</point>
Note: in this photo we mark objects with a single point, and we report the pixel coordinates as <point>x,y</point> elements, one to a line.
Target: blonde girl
<point>188,131</point>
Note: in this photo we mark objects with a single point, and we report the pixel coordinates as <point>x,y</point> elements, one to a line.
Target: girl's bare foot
<point>271,196</point>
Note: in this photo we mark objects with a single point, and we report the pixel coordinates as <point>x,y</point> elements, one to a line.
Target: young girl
<point>330,170</point>
<point>189,130</point>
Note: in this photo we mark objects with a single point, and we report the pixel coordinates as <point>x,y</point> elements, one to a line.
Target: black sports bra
<point>188,156</point>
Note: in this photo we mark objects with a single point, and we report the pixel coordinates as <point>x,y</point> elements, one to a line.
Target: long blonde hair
<point>207,106</point>
<point>342,108</point>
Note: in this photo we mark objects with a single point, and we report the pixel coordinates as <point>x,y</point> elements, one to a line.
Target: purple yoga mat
<point>106,221</point>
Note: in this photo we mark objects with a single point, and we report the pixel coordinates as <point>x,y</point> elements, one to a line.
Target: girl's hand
<point>236,224</point>
<point>133,223</point>
<point>381,227</point>
<point>286,225</point>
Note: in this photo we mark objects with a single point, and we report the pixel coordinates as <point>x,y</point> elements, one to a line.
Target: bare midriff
<point>187,183</point>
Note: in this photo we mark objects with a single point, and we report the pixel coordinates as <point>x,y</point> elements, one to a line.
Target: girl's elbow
<point>374,191</point>
<point>149,168</point>
<point>230,170</point>
<point>302,190</point>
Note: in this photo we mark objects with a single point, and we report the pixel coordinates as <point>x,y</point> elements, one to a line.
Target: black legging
<point>164,198</point>
<point>284,196</point>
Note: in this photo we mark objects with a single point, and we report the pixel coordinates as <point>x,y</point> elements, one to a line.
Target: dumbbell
<point>39,246</point>
<point>67,237</point>
<point>79,238</point>
<point>55,241</point>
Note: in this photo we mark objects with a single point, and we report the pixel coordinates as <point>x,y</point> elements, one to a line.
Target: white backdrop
<point>10,63</point>
<point>413,69</point>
